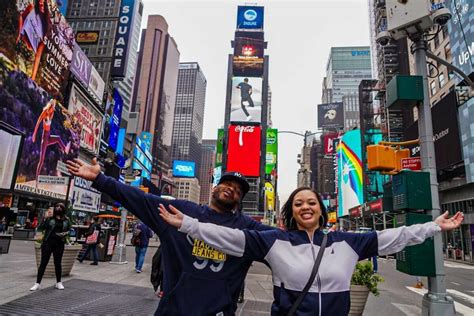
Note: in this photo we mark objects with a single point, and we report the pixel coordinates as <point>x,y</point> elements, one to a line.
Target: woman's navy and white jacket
<point>291,256</point>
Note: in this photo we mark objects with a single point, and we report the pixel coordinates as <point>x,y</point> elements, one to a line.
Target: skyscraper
<point>208,155</point>
<point>189,114</point>
<point>156,91</point>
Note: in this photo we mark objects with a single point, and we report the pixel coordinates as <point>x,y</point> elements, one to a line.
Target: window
<point>441,80</point>
<point>445,32</point>
<point>436,41</point>
<point>433,87</point>
<point>102,51</point>
<point>447,53</point>
<point>75,12</point>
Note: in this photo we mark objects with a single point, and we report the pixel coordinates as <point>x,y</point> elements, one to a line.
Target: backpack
<point>136,240</point>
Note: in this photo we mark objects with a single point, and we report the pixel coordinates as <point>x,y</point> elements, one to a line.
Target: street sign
<point>52,180</point>
<point>413,163</point>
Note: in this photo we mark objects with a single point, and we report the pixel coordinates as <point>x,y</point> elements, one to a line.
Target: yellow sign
<point>87,37</point>
<point>332,217</point>
<point>203,250</point>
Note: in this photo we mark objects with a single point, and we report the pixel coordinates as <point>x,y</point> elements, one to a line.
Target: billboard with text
<point>186,169</point>
<point>250,17</point>
<point>243,150</point>
<point>331,115</point>
<point>36,38</point>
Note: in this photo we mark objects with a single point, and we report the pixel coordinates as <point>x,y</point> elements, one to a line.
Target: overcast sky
<point>299,35</point>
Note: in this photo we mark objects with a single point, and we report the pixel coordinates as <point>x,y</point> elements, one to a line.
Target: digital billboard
<point>349,166</point>
<point>248,57</point>
<point>185,169</point>
<point>122,39</point>
<point>246,100</point>
<point>461,34</point>
<point>81,66</point>
<point>219,147</point>
<point>89,118</point>
<point>243,150</point>
<point>36,38</point>
<point>96,85</point>
<point>466,117</point>
<point>250,17</point>
<point>271,151</point>
<point>331,115</point>
<point>52,134</point>
<point>329,148</point>
<point>11,142</point>
<point>115,120</point>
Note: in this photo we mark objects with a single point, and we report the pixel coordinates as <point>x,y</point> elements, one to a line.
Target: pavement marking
<point>455,283</point>
<point>466,297</point>
<point>450,264</point>
<point>408,310</point>
<point>460,308</point>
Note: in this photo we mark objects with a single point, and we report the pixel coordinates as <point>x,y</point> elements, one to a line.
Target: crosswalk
<point>458,296</point>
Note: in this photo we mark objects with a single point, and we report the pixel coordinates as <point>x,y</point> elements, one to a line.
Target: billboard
<point>219,147</point>
<point>331,115</point>
<point>329,148</point>
<point>248,57</point>
<point>88,117</point>
<point>11,144</point>
<point>243,150</point>
<point>81,67</point>
<point>87,37</point>
<point>246,100</point>
<point>114,122</point>
<point>84,197</point>
<point>250,17</point>
<point>466,117</point>
<point>349,165</point>
<point>271,151</point>
<point>52,134</point>
<point>461,34</point>
<point>36,38</point>
<point>96,85</point>
<point>122,39</point>
<point>185,169</point>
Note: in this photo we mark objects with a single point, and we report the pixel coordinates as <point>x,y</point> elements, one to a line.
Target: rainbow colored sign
<point>350,189</point>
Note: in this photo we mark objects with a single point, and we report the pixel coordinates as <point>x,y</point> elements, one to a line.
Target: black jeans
<point>51,246</point>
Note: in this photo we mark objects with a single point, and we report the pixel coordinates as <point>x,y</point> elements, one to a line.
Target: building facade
<point>189,114</point>
<point>156,92</point>
<point>208,156</point>
<point>187,189</point>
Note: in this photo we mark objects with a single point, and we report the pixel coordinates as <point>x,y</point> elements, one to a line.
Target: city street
<point>117,289</point>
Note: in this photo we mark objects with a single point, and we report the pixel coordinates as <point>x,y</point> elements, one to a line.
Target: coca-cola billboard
<point>329,148</point>
<point>243,150</point>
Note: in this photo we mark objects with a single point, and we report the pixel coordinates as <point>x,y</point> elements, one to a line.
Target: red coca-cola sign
<point>243,150</point>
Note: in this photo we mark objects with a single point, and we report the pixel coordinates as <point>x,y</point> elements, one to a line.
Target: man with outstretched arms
<point>197,279</point>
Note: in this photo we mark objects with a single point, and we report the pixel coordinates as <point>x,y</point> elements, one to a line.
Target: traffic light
<point>381,158</point>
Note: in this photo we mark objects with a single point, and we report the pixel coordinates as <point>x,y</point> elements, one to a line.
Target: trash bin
<point>5,241</point>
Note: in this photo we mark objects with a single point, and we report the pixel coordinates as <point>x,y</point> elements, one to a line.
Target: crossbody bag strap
<point>317,262</point>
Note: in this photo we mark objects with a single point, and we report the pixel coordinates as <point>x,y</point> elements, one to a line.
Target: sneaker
<point>138,271</point>
<point>94,263</point>
<point>80,260</point>
<point>59,286</point>
<point>35,287</point>
<point>249,118</point>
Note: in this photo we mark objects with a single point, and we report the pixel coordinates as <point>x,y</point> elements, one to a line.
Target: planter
<point>359,294</point>
<point>69,257</point>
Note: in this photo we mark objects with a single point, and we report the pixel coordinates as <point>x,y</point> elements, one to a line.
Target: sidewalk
<point>103,289</point>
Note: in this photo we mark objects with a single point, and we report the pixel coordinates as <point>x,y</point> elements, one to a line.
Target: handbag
<point>92,238</point>
<point>317,262</point>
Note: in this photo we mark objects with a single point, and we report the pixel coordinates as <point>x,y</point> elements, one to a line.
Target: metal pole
<point>120,251</point>
<point>436,301</point>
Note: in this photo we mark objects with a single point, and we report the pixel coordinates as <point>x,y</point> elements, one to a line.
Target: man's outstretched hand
<point>446,223</point>
<point>175,218</point>
<point>83,170</point>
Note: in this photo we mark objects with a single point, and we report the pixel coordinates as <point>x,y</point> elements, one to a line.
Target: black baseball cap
<point>236,177</point>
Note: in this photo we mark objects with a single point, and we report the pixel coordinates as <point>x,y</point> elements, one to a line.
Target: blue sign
<point>121,140</point>
<point>360,53</point>
<point>122,39</point>
<point>184,168</point>
<point>249,17</point>
<point>115,120</point>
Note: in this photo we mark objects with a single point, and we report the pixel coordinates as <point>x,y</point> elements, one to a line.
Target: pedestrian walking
<point>197,279</point>
<point>294,254</point>
<point>92,239</point>
<point>56,228</point>
<point>140,239</point>
<point>3,224</point>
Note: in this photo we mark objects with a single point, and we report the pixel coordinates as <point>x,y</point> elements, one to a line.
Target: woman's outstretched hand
<point>446,223</point>
<point>174,218</point>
